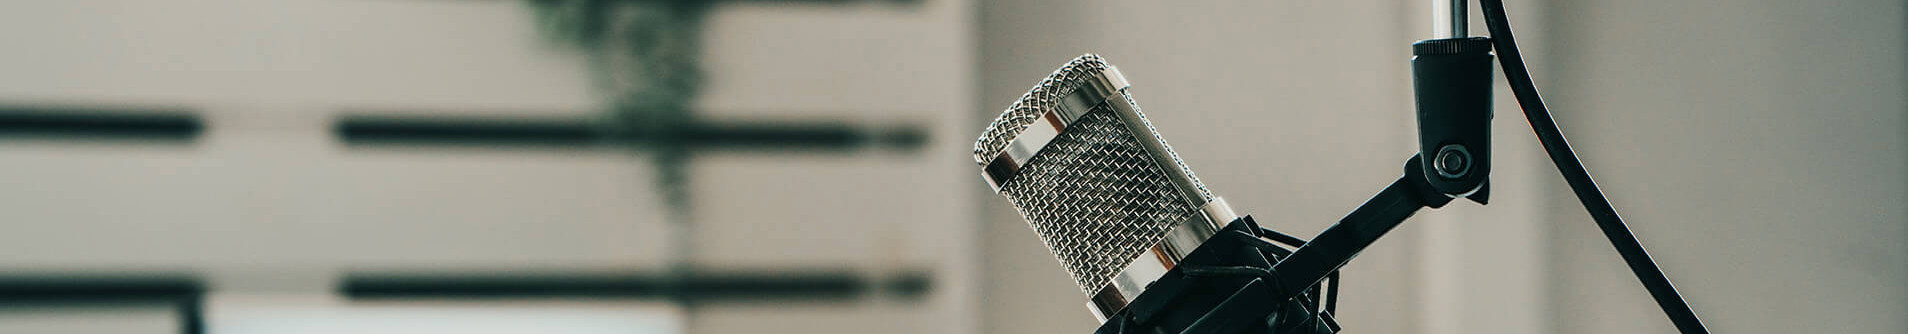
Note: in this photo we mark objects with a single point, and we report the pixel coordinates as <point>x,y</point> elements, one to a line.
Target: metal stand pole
<point>1450,19</point>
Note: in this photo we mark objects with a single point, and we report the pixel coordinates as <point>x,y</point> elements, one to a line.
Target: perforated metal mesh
<point>1094,195</point>
<point>1096,199</point>
<point>1023,112</point>
<point>1205,195</point>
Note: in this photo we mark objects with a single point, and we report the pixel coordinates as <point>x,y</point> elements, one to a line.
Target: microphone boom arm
<point>1239,281</point>
<point>1338,244</point>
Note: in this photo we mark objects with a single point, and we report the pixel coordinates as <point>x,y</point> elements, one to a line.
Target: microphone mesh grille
<point>1096,199</point>
<point>1094,195</point>
<point>1037,101</point>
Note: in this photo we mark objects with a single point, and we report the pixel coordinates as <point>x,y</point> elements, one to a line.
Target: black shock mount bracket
<point>1248,279</point>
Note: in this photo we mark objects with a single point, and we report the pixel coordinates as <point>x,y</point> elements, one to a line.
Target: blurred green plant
<point>645,55</point>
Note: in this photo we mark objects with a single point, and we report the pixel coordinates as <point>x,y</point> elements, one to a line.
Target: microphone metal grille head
<point>1098,194</point>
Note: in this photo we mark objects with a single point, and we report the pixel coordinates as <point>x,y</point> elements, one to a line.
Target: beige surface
<point>1758,149</point>
<point>268,202</point>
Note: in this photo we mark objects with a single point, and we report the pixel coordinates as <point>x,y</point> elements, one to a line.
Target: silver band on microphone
<point>1090,86</point>
<point>1149,267</point>
<point>1097,89</point>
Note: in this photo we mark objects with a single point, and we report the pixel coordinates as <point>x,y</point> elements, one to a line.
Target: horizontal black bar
<point>57,288</point>
<point>691,287</point>
<point>185,294</point>
<point>467,131</point>
<point>99,123</point>
<point>794,135</point>
<point>582,133</point>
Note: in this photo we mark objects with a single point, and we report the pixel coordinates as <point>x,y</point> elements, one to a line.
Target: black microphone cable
<point>1579,179</point>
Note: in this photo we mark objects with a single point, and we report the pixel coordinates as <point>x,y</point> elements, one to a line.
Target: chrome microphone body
<point>1093,178</point>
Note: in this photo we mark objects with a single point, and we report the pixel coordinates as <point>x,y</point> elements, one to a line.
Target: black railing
<point>185,294</point>
<point>688,288</point>
<point>578,132</point>
<point>99,123</point>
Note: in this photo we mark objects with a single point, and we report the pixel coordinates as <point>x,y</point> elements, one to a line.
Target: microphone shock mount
<point>1245,279</point>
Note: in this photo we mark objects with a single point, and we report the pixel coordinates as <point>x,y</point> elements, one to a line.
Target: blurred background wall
<point>1757,148</point>
<point>273,208</point>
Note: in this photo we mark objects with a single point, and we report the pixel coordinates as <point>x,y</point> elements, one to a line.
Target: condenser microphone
<point>1080,162</point>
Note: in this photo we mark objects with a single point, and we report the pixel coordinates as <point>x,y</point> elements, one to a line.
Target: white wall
<point>1756,147</point>
<point>273,209</point>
